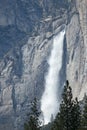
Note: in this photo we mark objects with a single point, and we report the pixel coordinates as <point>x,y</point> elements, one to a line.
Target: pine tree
<point>84,116</point>
<point>76,115</point>
<point>66,107</point>
<point>70,110</point>
<point>56,124</point>
<point>63,118</point>
<point>33,122</point>
<point>69,116</point>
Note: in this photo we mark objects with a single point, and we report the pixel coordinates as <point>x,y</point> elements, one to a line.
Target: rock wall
<point>27,28</point>
<point>76,49</point>
<point>26,32</point>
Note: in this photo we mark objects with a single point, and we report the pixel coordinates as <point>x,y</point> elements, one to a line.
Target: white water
<point>49,101</point>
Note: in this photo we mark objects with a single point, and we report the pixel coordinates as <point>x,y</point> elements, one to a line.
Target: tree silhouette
<point>84,116</point>
<point>69,116</point>
<point>33,123</point>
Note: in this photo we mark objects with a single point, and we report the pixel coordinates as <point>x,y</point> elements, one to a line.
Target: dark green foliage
<point>33,123</point>
<point>76,114</point>
<point>82,129</point>
<point>69,116</point>
<point>84,116</point>
<point>57,124</point>
<point>26,126</point>
<point>47,127</point>
<point>66,108</point>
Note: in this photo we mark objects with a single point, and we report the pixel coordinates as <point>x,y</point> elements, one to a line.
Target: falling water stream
<point>49,101</point>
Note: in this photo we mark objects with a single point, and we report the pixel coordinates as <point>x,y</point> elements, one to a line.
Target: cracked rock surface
<point>27,28</point>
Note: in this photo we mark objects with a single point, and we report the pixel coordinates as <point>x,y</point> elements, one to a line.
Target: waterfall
<point>49,101</point>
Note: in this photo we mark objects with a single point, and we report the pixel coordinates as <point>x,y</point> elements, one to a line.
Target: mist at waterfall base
<point>49,101</point>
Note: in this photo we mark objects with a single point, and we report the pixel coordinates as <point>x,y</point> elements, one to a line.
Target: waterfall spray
<point>49,101</point>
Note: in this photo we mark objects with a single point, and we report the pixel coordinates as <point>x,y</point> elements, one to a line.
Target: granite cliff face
<point>76,49</point>
<point>27,28</point>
